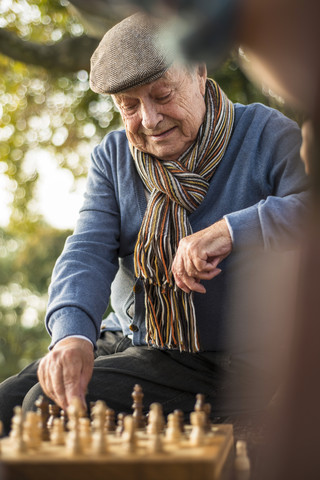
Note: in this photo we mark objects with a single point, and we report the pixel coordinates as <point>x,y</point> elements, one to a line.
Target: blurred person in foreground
<point>177,207</point>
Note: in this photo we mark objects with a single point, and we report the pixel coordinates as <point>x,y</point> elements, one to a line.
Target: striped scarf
<point>176,188</point>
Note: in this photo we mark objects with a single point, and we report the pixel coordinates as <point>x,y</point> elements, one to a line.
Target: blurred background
<point>49,123</point>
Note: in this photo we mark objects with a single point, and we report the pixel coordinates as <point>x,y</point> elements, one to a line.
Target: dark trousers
<point>168,377</point>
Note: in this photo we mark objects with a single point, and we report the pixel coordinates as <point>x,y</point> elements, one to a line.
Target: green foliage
<point>26,264</point>
<point>40,114</point>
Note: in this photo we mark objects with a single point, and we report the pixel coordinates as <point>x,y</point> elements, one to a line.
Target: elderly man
<point>188,161</point>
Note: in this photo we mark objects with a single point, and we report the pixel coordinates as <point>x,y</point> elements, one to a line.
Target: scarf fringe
<point>170,318</point>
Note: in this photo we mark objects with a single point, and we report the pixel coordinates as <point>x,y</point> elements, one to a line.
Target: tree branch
<point>68,55</point>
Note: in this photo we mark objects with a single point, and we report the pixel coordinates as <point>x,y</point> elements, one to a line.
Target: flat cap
<point>129,55</point>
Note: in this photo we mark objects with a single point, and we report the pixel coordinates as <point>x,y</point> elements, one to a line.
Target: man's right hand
<point>66,370</point>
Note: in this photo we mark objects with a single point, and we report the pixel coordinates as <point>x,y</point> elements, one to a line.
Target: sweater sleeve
<point>277,220</point>
<point>81,280</point>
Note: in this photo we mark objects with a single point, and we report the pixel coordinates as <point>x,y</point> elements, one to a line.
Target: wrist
<point>78,340</point>
<point>224,230</point>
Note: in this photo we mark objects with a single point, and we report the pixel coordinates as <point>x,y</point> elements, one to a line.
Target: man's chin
<point>165,154</point>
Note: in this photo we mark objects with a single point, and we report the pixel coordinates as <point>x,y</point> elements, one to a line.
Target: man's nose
<point>150,117</point>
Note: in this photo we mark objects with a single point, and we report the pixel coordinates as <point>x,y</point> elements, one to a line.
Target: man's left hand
<point>198,256</point>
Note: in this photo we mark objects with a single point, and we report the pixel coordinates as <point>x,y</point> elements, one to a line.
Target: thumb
<point>214,261</point>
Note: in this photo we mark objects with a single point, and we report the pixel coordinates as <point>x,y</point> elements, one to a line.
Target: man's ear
<point>202,77</point>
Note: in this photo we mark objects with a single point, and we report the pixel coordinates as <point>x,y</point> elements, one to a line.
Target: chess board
<point>52,444</point>
<point>213,460</point>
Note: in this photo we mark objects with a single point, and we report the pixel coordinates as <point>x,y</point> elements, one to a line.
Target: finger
<point>178,270</point>
<point>209,275</point>
<point>208,271</point>
<point>185,282</point>
<point>71,380</point>
<point>44,376</point>
<point>193,284</point>
<point>50,378</point>
<point>180,283</point>
<point>190,269</point>
<point>214,261</point>
<point>207,264</point>
<point>59,394</point>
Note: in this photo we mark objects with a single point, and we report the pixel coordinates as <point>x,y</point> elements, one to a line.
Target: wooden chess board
<point>211,461</point>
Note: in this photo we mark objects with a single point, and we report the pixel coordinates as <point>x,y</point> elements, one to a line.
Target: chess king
<point>178,209</point>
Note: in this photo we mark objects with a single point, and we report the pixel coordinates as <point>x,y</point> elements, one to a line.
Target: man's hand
<point>66,370</point>
<point>199,254</point>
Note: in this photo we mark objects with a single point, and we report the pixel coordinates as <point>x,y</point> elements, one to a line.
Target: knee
<point>31,397</point>
<point>13,391</point>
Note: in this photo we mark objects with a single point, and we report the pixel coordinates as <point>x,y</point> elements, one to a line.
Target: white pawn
<point>242,462</point>
<point>73,443</point>
<point>155,427</point>
<point>155,443</point>
<point>74,411</point>
<point>57,436</point>
<point>99,438</point>
<point>32,431</point>
<point>173,432</point>
<point>85,433</point>
<point>129,436</point>
<point>155,419</point>
<point>197,435</point>
<point>16,433</point>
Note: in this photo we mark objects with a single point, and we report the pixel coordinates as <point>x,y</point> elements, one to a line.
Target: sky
<point>57,198</point>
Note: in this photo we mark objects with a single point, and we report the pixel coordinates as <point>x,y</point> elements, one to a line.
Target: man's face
<point>163,117</point>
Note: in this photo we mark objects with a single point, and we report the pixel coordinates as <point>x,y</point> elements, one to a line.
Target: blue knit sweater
<point>259,187</point>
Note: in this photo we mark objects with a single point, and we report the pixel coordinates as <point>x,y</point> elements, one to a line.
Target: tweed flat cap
<point>129,55</point>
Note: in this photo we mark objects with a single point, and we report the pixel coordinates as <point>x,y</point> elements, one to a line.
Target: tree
<point>42,112</point>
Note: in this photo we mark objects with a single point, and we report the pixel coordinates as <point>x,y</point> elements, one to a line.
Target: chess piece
<point>32,431</point>
<point>75,411</point>
<point>197,435</point>
<point>199,405</point>
<point>155,443</point>
<point>99,439</point>
<point>207,411</point>
<point>180,415</point>
<point>57,432</point>
<point>138,417</point>
<point>42,405</point>
<point>155,427</point>
<point>16,433</point>
<point>128,436</point>
<point>54,411</point>
<point>173,432</point>
<point>242,461</point>
<point>120,424</point>
<point>85,433</point>
<point>64,419</point>
<point>110,423</point>
<point>155,419</point>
